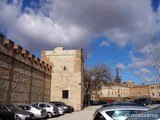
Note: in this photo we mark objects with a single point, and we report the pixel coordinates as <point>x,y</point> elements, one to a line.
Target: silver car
<point>118,112</point>
<point>153,114</point>
<point>37,111</point>
<point>51,109</point>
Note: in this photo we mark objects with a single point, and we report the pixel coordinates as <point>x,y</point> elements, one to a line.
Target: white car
<point>153,114</point>
<point>118,112</point>
<point>37,111</point>
<point>51,109</point>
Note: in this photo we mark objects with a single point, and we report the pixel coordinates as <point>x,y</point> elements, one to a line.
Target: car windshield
<point>57,104</point>
<point>52,104</point>
<point>13,108</point>
<point>123,114</point>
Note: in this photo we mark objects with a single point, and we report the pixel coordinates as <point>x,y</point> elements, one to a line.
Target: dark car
<point>6,115</point>
<point>101,102</point>
<point>94,102</point>
<point>144,101</point>
<point>19,114</point>
<point>67,108</point>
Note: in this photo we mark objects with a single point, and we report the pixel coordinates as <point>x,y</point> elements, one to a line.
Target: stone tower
<point>67,76</point>
<point>118,79</point>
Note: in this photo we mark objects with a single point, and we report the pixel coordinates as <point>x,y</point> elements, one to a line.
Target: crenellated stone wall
<point>23,77</point>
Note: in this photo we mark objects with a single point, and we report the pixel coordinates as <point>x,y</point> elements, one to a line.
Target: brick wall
<point>23,77</point>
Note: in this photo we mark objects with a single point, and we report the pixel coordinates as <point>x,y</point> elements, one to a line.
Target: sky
<point>113,32</point>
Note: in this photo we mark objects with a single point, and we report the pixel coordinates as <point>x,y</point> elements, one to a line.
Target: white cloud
<point>138,62</point>
<point>121,66</point>
<point>89,55</point>
<point>72,23</point>
<point>104,43</point>
<point>143,72</point>
<point>146,75</point>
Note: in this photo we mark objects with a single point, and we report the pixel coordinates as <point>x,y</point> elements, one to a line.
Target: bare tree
<point>155,54</point>
<point>95,77</point>
<point>87,80</point>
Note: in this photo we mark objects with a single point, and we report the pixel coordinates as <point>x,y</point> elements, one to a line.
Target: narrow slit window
<point>65,94</point>
<point>64,68</point>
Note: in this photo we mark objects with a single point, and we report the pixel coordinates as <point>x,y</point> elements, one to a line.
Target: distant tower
<point>118,79</point>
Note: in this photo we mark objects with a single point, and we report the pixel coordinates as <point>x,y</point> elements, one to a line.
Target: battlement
<point>8,43</point>
<point>1,39</point>
<point>18,50</point>
<point>29,77</point>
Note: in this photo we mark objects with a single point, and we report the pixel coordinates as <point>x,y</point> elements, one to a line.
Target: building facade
<point>128,90</point>
<point>115,92</point>
<point>149,91</point>
<point>67,76</point>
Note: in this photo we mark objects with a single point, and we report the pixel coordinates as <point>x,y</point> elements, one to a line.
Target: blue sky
<point>116,33</point>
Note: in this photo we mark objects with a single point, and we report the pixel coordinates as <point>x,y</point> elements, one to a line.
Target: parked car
<point>19,114</point>
<point>153,114</point>
<point>118,112</point>
<point>60,109</point>
<point>67,108</point>
<point>94,102</point>
<point>144,101</point>
<point>122,104</point>
<point>37,111</point>
<point>102,102</point>
<point>5,114</point>
<point>51,109</point>
<point>110,101</point>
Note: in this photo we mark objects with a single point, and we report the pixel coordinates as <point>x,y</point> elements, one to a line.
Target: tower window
<point>65,94</point>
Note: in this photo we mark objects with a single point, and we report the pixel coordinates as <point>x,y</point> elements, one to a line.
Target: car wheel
<point>18,118</point>
<point>49,115</point>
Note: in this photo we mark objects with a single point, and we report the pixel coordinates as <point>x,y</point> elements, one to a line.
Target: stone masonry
<point>23,77</point>
<point>67,76</point>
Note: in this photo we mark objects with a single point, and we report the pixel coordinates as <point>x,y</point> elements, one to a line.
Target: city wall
<point>23,77</point>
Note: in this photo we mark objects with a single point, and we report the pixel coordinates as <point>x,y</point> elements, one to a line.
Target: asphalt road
<point>86,114</point>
